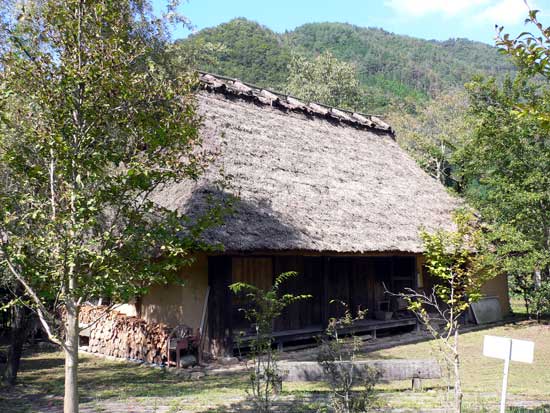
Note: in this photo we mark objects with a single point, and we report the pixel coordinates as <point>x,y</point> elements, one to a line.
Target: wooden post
<point>416,384</point>
<point>505,378</point>
<point>325,290</point>
<point>416,273</point>
<point>392,276</point>
<point>220,310</point>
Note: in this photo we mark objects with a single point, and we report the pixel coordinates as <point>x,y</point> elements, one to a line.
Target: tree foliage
<point>92,123</point>
<point>506,163</point>
<point>434,133</point>
<point>244,49</point>
<point>506,160</point>
<point>264,307</point>
<point>350,392</point>
<point>459,262</point>
<point>324,79</point>
<point>391,69</point>
<point>421,67</point>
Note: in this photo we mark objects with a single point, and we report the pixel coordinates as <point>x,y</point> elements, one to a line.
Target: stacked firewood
<point>119,335</point>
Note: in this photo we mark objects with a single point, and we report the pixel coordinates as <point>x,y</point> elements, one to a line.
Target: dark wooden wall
<point>305,313</point>
<point>357,281</point>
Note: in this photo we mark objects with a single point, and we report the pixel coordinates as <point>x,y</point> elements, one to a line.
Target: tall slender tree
<point>91,124</point>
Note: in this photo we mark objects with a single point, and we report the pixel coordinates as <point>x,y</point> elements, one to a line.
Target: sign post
<point>507,349</point>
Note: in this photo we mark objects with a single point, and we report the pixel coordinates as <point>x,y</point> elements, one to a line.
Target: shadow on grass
<point>295,402</point>
<point>153,383</point>
<point>545,408</point>
<point>512,322</point>
<point>41,383</point>
<point>524,322</point>
<point>541,409</point>
<point>38,364</point>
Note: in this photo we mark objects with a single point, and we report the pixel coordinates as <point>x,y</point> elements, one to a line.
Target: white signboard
<point>499,347</point>
<point>507,349</point>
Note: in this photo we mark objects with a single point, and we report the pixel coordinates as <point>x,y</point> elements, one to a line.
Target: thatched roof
<point>308,177</point>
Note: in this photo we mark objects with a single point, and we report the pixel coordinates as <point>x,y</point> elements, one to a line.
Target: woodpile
<point>119,335</point>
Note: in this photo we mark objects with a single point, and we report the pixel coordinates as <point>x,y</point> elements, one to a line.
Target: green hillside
<point>391,68</point>
<point>245,50</point>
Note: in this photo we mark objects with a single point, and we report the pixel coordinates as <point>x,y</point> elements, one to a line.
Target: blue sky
<point>428,19</point>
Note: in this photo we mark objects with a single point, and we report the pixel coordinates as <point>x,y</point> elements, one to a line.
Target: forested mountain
<point>391,68</point>
<point>245,50</point>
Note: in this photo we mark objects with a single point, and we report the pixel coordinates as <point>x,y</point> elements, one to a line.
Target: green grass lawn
<point>112,386</point>
<point>482,376</point>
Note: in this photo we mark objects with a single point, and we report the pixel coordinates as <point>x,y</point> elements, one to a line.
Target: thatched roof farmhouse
<point>321,191</point>
<point>310,177</point>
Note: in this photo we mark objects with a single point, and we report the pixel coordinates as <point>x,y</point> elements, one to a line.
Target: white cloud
<point>493,11</point>
<point>420,8</point>
<point>505,12</point>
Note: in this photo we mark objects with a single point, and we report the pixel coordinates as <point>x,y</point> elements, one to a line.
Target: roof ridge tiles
<point>235,87</point>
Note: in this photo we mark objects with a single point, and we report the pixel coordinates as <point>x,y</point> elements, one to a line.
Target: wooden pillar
<point>392,274</point>
<point>325,292</point>
<point>219,306</point>
<point>416,275</point>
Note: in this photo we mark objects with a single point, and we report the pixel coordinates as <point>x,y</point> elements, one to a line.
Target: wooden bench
<point>388,370</point>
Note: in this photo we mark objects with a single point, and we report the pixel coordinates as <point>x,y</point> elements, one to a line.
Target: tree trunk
<point>17,339</point>
<point>71,359</point>
<point>538,279</point>
<point>458,385</point>
<point>526,302</point>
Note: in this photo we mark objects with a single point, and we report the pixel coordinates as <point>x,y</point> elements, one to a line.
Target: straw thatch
<point>308,177</point>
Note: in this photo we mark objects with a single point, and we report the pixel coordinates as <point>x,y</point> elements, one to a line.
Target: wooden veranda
<point>358,281</point>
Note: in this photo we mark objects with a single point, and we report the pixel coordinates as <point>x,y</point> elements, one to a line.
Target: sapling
<point>460,263</point>
<point>266,306</point>
<point>336,357</point>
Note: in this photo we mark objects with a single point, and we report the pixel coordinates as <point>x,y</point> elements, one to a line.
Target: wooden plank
<point>256,271</point>
<point>388,370</point>
<point>314,331</point>
<point>289,335</point>
<point>306,312</point>
<point>289,319</point>
<point>371,287</point>
<point>377,325</point>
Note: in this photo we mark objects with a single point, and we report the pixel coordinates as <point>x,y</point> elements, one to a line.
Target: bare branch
<point>41,310</point>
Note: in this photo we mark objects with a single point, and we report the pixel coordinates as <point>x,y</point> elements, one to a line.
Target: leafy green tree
<point>90,126</point>
<point>459,262</point>
<point>324,79</point>
<point>526,103</point>
<point>506,162</point>
<point>434,133</point>
<point>401,65</point>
